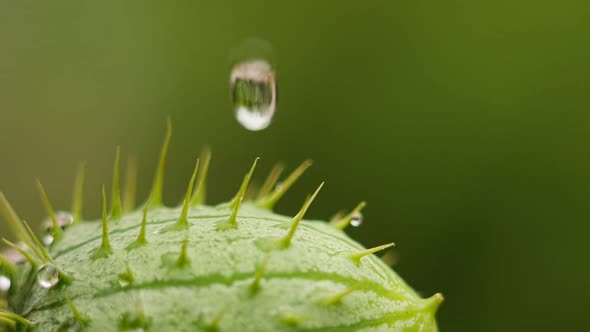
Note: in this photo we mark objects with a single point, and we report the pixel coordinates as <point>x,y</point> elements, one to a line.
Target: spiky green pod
<point>231,267</point>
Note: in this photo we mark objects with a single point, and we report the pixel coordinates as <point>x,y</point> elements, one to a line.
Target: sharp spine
<point>271,199</point>
<point>286,241</point>
<point>182,222</point>
<point>78,199</point>
<point>77,315</point>
<point>130,189</point>
<point>158,184</point>
<point>337,299</point>
<point>356,257</point>
<point>237,201</point>
<point>255,285</point>
<point>270,181</point>
<point>34,263</point>
<point>57,233</point>
<point>183,259</point>
<point>141,237</point>
<point>116,190</point>
<point>200,193</point>
<point>342,223</point>
<point>105,248</point>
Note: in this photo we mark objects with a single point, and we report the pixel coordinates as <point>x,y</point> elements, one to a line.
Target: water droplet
<point>4,284</point>
<point>47,239</point>
<point>126,279</point>
<point>64,219</point>
<point>253,93</point>
<point>14,256</point>
<point>357,219</point>
<point>48,276</point>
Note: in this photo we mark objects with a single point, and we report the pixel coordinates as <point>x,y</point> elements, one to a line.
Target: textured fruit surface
<point>298,284</point>
<point>231,267</point>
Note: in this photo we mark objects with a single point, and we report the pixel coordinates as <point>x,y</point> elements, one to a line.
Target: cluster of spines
<point>269,194</point>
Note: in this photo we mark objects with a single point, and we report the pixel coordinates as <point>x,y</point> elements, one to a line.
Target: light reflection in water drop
<point>47,276</point>
<point>64,219</point>
<point>4,284</point>
<point>357,219</point>
<point>253,92</point>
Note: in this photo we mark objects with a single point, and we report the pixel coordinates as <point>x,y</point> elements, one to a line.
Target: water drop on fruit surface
<point>47,240</point>
<point>357,220</point>
<point>4,284</point>
<point>253,92</point>
<point>64,219</point>
<point>48,276</point>
<point>14,256</point>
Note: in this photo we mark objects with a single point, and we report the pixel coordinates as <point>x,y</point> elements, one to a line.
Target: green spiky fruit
<point>231,267</point>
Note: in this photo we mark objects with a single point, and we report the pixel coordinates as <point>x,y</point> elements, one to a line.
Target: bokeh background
<point>464,124</point>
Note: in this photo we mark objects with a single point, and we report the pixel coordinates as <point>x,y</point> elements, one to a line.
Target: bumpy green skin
<point>298,290</point>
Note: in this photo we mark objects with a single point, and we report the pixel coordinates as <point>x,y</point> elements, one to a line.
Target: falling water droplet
<point>4,284</point>
<point>357,219</point>
<point>253,93</point>
<point>253,86</point>
<point>48,276</point>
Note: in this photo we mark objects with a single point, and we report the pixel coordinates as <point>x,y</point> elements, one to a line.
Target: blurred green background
<point>464,124</point>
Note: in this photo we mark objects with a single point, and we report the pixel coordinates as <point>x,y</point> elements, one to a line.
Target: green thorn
<point>13,220</point>
<point>34,263</point>
<point>342,223</point>
<point>337,299</point>
<point>23,231</point>
<point>7,315</point>
<point>434,301</point>
<point>237,201</point>
<point>270,181</point>
<point>116,192</point>
<point>293,321</point>
<point>7,321</point>
<point>43,255</point>
<point>183,260</point>
<point>77,201</point>
<point>356,257</point>
<point>337,216</point>
<point>130,185</point>
<point>105,249</point>
<point>271,199</point>
<point>158,185</point>
<point>19,228</point>
<point>57,233</point>
<point>77,315</point>
<point>200,193</point>
<point>7,267</point>
<point>182,222</point>
<point>64,278</point>
<point>255,285</point>
<point>213,326</point>
<point>286,241</point>
<point>141,238</point>
<point>134,322</point>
